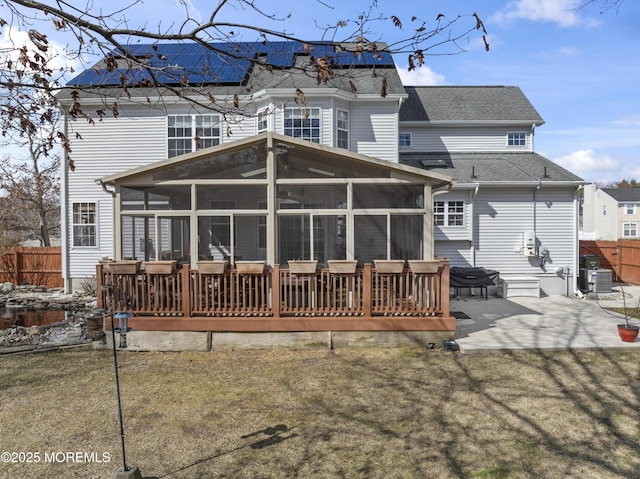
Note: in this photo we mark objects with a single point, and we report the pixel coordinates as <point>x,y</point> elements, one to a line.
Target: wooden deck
<point>278,300</point>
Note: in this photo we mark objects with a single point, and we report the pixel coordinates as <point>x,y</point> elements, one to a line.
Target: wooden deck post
<point>186,290</point>
<point>444,289</point>
<point>367,285</point>
<point>99,287</point>
<point>276,291</point>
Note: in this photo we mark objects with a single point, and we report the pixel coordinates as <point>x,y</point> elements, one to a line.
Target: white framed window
<point>448,213</point>
<point>85,225</point>
<point>187,133</point>
<point>629,208</point>
<point>404,139</point>
<point>303,123</point>
<point>630,229</point>
<point>343,129</point>
<point>604,210</point>
<point>262,121</point>
<point>516,138</point>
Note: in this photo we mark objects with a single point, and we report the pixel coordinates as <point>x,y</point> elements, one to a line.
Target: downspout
<point>113,209</point>
<point>64,211</point>
<point>576,240</point>
<point>472,224</point>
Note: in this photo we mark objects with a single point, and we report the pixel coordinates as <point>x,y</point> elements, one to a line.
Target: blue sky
<point>579,68</point>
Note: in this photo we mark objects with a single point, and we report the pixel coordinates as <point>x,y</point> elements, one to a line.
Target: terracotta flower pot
<point>628,334</point>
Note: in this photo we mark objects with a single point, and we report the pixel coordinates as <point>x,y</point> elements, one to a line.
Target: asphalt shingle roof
<point>468,103</point>
<point>491,167</point>
<point>623,195</point>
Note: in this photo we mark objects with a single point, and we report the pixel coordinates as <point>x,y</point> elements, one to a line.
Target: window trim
<point>262,121</point>
<point>629,209</point>
<point>193,137</point>
<point>447,214</point>
<point>75,224</point>
<point>340,129</point>
<point>631,225</point>
<point>407,142</point>
<point>516,139</point>
<point>297,113</point>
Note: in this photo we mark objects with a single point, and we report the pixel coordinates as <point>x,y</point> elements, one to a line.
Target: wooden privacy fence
<point>622,256</point>
<point>37,266</point>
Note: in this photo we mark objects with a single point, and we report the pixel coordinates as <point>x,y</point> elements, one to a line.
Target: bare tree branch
<point>29,81</point>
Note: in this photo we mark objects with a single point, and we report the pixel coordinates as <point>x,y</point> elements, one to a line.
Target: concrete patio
<point>546,323</point>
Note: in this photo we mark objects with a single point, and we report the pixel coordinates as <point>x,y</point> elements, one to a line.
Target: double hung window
<point>187,133</point>
<point>448,213</point>
<point>302,123</point>
<point>630,229</point>
<point>85,224</point>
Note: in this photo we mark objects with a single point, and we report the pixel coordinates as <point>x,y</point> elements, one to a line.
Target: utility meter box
<point>529,243</point>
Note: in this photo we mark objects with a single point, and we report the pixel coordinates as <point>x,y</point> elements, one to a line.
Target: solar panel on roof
<point>224,63</point>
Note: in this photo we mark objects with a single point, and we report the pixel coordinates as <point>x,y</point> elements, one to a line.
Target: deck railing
<point>277,293</point>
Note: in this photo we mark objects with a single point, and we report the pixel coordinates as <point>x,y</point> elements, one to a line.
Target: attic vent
<point>433,163</point>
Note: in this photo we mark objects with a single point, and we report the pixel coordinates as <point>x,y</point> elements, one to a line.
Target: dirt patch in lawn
<point>388,413</point>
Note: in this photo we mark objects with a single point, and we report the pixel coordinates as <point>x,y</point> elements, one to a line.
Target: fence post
<point>99,287</point>
<point>17,268</point>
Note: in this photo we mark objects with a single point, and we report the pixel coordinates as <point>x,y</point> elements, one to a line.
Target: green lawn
<point>386,413</point>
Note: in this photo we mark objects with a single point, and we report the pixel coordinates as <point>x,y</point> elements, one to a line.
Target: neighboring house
<point>610,213</point>
<point>135,189</point>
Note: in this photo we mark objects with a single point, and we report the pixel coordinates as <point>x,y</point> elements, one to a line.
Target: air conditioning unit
<point>596,280</point>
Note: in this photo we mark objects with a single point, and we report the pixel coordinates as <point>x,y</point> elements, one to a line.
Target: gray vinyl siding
<point>374,130</point>
<point>463,139</point>
<point>107,147</point>
<point>503,215</point>
<point>459,253</point>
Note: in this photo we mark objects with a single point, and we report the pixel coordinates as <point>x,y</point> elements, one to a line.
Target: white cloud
<point>593,167</point>
<point>561,12</point>
<point>423,76</point>
<point>12,39</point>
<point>586,161</point>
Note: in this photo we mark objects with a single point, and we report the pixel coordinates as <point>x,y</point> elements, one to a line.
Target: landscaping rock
<point>82,324</point>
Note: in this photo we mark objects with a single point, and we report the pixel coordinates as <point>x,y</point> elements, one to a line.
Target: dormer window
<point>516,138</point>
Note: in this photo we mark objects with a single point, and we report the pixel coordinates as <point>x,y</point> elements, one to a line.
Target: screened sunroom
<point>273,200</point>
